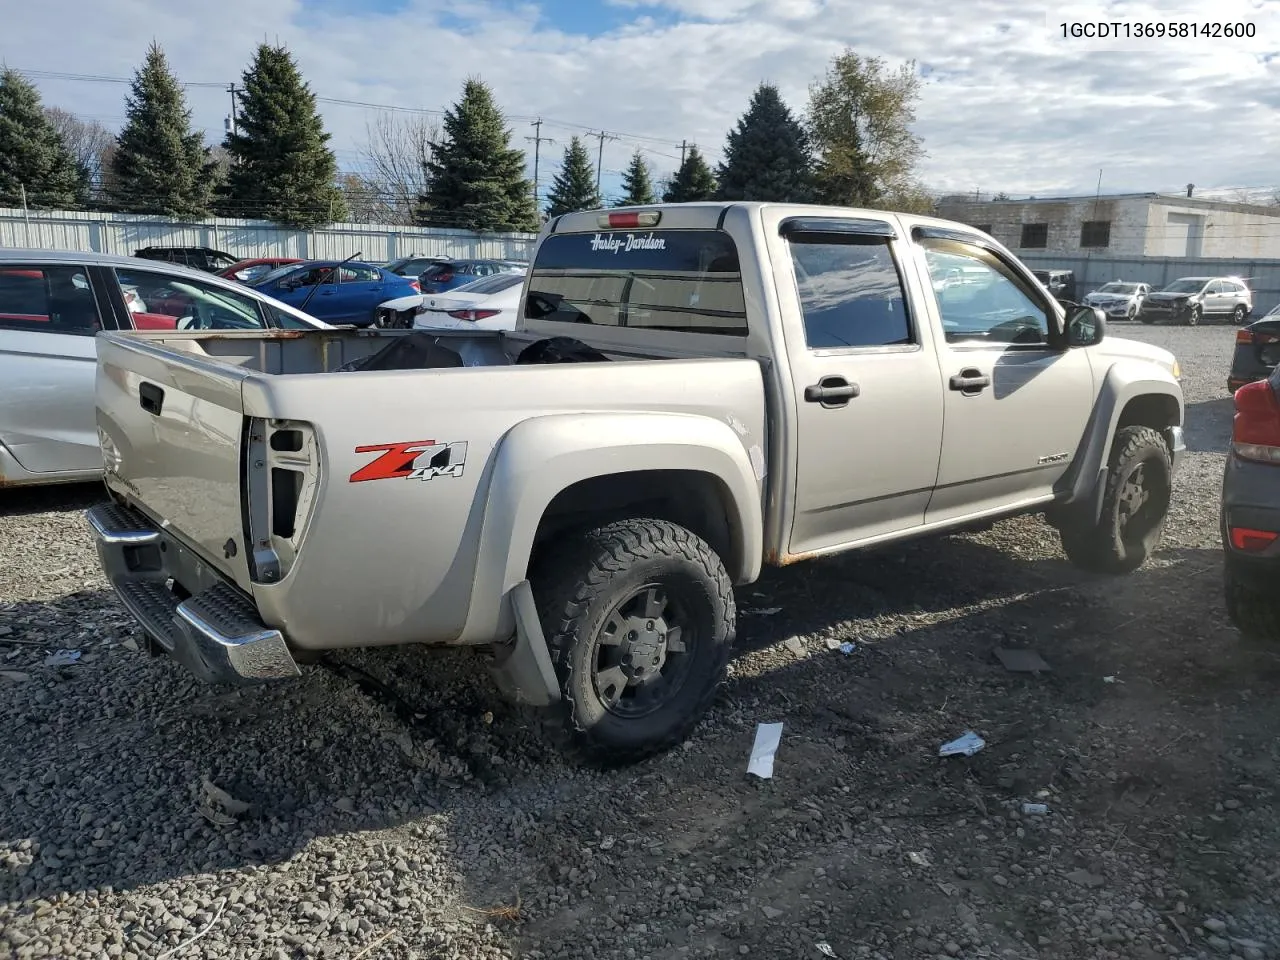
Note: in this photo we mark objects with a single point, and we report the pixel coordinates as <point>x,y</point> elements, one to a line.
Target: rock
<point>795,645</point>
<point>1231,804</point>
<point>999,881</point>
<point>1084,878</point>
<point>952,948</point>
<point>1214,925</point>
<point>1219,945</point>
<point>771,913</point>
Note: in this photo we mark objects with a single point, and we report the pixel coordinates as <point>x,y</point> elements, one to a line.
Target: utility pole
<point>602,137</point>
<point>231,89</point>
<point>683,146</point>
<point>538,140</point>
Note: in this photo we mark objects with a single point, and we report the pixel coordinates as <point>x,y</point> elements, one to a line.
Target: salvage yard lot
<point>443,824</point>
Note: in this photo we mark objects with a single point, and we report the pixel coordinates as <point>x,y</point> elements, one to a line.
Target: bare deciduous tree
<point>367,201</point>
<point>395,155</point>
<point>89,142</point>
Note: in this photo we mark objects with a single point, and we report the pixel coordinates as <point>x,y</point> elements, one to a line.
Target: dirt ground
<point>449,828</point>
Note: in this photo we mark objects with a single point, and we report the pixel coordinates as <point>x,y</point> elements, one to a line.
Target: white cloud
<point>1007,103</point>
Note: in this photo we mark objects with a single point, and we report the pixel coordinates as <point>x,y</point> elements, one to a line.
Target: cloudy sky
<point>1007,102</point>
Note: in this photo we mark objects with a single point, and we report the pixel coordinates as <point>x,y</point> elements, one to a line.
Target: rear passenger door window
<point>158,301</point>
<point>850,294</point>
<point>40,298</point>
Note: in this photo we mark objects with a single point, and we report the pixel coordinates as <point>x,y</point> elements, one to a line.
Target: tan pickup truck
<point>693,391</point>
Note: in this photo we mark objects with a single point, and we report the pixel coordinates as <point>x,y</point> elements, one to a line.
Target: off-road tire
<point>1255,614</point>
<point>581,584</point>
<point>1103,547</point>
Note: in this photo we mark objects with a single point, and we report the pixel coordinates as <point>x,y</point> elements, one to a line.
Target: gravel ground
<point>346,823</point>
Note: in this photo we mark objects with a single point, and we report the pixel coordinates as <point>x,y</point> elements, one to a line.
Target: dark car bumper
<point>1163,310</point>
<point>1251,501</point>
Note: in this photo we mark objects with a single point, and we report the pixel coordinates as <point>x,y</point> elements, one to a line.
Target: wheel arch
<point>555,473</point>
<point>1133,393</point>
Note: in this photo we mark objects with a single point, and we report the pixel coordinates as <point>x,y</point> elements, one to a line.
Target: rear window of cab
<point>682,281</point>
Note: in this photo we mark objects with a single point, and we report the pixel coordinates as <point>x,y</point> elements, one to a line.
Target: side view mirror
<point>1086,326</point>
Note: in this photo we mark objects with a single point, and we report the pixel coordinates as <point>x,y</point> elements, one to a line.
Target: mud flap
<point>522,667</point>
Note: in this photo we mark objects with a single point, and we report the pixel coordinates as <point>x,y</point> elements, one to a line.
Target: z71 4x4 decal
<point>413,460</point>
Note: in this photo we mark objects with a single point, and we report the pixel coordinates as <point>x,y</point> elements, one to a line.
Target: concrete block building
<point>1124,225</point>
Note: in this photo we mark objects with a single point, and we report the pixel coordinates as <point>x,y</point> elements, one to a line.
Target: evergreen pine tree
<point>475,178</point>
<point>637,185</point>
<point>161,165</point>
<point>692,182</point>
<point>281,166</point>
<point>574,187</point>
<point>767,156</point>
<point>33,156</point>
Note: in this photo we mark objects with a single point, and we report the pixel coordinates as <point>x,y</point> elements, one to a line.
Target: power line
<point>337,101</point>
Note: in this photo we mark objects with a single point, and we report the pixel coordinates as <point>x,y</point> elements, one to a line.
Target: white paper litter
<point>965,745</point>
<point>62,658</point>
<point>768,736</point>
<point>824,948</point>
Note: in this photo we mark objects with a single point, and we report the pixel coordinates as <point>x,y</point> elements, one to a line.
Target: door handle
<point>150,398</point>
<point>970,381</point>
<point>831,392</point>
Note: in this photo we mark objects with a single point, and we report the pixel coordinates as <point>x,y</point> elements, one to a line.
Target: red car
<point>247,271</point>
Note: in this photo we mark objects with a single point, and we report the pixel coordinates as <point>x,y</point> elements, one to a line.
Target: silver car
<point>1119,300</point>
<point>52,303</point>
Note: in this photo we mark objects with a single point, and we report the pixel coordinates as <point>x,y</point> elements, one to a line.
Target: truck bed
<point>243,446</point>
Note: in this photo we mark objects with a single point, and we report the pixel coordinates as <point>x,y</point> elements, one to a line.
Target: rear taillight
<point>417,287</point>
<point>1251,541</point>
<point>473,315</point>
<point>1245,337</point>
<point>1255,429</point>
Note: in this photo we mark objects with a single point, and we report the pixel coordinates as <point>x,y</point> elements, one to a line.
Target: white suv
<point>1191,299</point>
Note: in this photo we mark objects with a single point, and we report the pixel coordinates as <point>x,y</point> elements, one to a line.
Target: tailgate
<point>170,423</point>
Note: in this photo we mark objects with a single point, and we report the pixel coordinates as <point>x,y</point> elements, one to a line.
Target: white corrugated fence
<point>123,233</point>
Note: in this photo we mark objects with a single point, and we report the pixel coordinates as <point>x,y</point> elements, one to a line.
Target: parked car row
<point>51,306</point>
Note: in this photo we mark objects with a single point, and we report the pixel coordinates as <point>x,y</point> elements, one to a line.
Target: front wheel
<point>1139,487</point>
<point>639,620</point>
<point>1193,315</point>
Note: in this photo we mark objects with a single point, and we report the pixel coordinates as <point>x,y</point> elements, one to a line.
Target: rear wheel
<point>1139,487</point>
<point>1239,314</point>
<point>1255,614</point>
<point>639,620</point>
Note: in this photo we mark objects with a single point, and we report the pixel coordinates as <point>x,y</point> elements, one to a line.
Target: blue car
<point>349,294</point>
<point>454,273</point>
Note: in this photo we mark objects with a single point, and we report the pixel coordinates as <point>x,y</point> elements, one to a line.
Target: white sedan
<point>1118,299</point>
<point>492,303</point>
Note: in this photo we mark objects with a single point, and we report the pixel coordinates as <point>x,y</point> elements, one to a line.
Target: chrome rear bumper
<point>215,633</point>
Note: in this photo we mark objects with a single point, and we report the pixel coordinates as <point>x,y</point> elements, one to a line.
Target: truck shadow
<point>1208,425</point>
<point>103,775</point>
